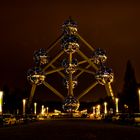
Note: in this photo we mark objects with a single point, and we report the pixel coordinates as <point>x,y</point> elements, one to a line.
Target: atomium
<point>70,69</point>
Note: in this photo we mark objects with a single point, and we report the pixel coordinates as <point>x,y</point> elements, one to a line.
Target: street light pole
<point>42,109</point>
<point>139,99</point>
<point>117,108</point>
<point>98,110</point>
<point>105,108</point>
<point>47,110</point>
<point>94,110</point>
<point>35,104</point>
<point>24,106</point>
<point>1,101</point>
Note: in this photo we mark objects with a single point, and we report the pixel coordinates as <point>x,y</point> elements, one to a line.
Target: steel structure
<point>69,47</point>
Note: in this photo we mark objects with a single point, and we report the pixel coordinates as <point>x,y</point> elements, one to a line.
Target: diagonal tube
<point>81,72</point>
<point>85,42</point>
<point>54,70</point>
<point>31,94</point>
<point>55,43</point>
<point>53,90</point>
<point>87,90</point>
<point>88,60</point>
<point>109,90</point>
<point>85,70</point>
<point>60,73</point>
<point>53,60</point>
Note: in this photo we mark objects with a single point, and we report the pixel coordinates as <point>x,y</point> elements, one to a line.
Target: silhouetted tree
<point>129,92</point>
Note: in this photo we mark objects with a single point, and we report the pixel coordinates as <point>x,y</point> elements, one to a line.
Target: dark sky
<point>26,26</point>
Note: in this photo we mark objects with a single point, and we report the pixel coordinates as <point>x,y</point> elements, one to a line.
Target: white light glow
<point>35,105</point>
<point>117,108</point>
<point>139,98</point>
<point>105,107</point>
<point>24,106</point>
<point>1,101</point>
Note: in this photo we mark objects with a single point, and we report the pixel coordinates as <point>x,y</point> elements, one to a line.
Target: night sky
<point>26,26</point>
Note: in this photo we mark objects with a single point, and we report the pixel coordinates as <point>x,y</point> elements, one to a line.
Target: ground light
<point>139,98</point>
<point>42,110</point>
<point>35,106</point>
<point>1,101</point>
<point>117,108</point>
<point>105,108</point>
<point>47,110</point>
<point>24,106</point>
<point>94,110</point>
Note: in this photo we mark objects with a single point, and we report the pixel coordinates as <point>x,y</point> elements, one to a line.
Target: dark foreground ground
<point>70,129</point>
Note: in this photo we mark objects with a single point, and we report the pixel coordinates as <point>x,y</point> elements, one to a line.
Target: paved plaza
<point>70,129</point>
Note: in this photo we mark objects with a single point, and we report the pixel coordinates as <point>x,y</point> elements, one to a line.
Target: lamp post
<point>105,108</point>
<point>94,110</point>
<point>1,101</point>
<point>24,106</point>
<point>98,110</point>
<point>35,105</point>
<point>139,99</point>
<point>117,108</point>
<point>42,109</point>
<point>47,110</point>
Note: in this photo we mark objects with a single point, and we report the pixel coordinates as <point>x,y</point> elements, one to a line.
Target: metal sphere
<point>69,38</point>
<point>41,56</point>
<point>70,67</point>
<point>70,104</point>
<point>104,76</point>
<point>69,26</point>
<point>35,76</point>
<point>71,47</point>
<point>70,43</point>
<point>99,56</point>
<point>65,62</point>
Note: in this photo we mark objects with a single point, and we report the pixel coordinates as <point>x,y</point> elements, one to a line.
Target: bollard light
<point>1,102</point>
<point>139,98</point>
<point>24,106</point>
<point>105,107</point>
<point>117,108</point>
<point>35,108</point>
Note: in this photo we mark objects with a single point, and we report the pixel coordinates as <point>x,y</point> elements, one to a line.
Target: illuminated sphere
<point>35,76</point>
<point>65,63</point>
<point>70,104</point>
<point>99,56</point>
<point>69,26</point>
<point>70,43</point>
<point>69,38</point>
<point>71,47</point>
<point>41,56</point>
<point>104,76</point>
<point>70,67</point>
